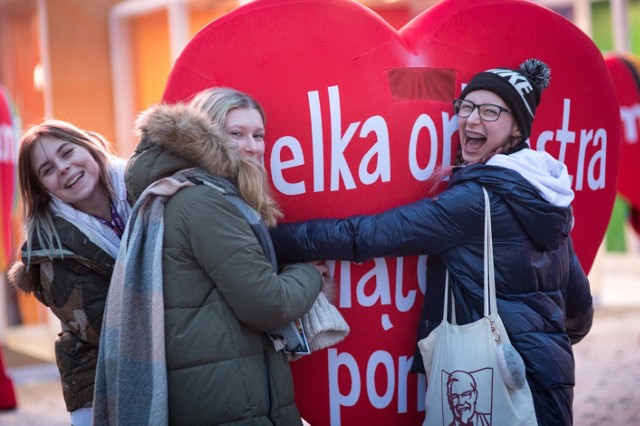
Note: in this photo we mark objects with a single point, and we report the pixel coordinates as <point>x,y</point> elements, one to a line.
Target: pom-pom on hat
<point>520,89</point>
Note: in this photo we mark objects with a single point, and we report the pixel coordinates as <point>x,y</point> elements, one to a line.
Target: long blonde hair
<point>252,180</point>
<point>36,200</point>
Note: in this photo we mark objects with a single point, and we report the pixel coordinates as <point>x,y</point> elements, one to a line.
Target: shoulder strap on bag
<point>446,301</point>
<point>490,305</point>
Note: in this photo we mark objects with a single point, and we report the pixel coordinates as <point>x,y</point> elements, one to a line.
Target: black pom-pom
<point>536,71</point>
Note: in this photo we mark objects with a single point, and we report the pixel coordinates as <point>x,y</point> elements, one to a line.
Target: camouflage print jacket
<point>73,283</point>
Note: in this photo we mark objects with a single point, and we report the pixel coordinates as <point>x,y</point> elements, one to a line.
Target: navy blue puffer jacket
<point>543,294</point>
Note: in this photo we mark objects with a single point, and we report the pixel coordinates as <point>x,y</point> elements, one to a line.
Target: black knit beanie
<point>520,89</point>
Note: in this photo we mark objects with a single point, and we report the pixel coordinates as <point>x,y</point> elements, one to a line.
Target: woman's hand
<point>328,285</point>
<point>321,267</point>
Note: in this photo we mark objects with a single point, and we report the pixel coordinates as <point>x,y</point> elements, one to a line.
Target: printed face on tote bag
<point>466,399</point>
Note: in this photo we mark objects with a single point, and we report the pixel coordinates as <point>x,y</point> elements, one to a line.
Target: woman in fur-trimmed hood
<point>212,277</point>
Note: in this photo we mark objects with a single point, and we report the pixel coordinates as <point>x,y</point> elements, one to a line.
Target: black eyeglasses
<point>488,112</point>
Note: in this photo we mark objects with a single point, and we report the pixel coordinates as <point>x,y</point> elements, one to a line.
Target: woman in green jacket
<point>199,178</point>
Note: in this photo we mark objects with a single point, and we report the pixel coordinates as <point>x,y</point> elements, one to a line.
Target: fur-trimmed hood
<point>176,137</point>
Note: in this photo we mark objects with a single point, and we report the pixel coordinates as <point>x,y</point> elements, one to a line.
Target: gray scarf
<point>131,376</point>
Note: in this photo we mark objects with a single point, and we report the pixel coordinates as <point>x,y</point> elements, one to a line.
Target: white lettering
<point>564,136</point>
<point>337,399</point>
<point>278,165</point>
<point>339,142</point>
<point>345,284</point>
<point>598,182</point>
<point>404,303</point>
<point>393,381</point>
<point>380,150</point>
<point>450,127</point>
<point>597,162</point>
<point>375,164</point>
<point>630,120</point>
<point>423,150</point>
<point>317,141</point>
<point>380,283</point>
<point>423,122</point>
<point>421,273</point>
<point>384,359</point>
<point>582,153</point>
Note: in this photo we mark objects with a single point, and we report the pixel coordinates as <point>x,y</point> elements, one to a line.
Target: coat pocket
<point>76,361</point>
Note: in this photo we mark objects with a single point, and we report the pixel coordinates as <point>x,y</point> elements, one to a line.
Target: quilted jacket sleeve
<point>428,226</point>
<point>227,249</point>
<point>579,302</point>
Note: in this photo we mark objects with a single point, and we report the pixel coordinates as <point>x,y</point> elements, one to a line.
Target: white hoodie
<point>548,175</point>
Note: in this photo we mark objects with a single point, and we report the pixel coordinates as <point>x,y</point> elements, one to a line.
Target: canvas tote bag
<point>473,372</point>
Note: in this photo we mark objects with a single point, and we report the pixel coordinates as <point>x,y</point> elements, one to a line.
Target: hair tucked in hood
<point>179,136</point>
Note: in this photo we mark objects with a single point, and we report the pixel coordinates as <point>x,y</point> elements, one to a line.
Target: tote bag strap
<point>447,293</point>
<point>490,305</point>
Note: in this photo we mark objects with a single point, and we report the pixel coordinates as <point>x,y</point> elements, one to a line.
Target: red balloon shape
<point>360,114</point>
<point>625,73</point>
<point>8,158</point>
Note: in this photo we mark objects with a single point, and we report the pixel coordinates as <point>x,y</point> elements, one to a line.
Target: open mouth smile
<point>74,180</point>
<point>474,142</point>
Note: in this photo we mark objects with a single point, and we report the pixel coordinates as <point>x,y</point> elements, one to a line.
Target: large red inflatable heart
<point>625,73</point>
<point>359,115</point>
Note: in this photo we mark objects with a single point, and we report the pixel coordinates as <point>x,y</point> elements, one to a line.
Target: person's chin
<point>470,159</point>
<point>470,156</point>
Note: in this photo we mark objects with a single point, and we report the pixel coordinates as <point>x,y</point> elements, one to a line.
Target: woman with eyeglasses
<point>543,294</point>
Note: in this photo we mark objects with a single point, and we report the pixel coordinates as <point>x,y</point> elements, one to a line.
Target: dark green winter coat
<point>221,295</point>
